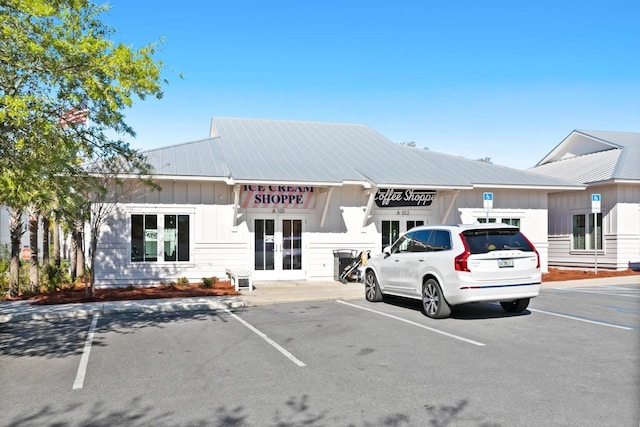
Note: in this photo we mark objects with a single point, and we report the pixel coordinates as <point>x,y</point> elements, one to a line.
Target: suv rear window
<point>483,241</point>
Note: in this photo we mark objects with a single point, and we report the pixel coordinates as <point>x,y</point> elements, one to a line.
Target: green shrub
<point>4,276</point>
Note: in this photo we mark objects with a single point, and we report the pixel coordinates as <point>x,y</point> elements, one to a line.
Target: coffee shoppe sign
<point>277,196</point>
<point>394,198</point>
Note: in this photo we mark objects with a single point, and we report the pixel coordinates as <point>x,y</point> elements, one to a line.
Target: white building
<point>278,197</point>
<point>608,163</point>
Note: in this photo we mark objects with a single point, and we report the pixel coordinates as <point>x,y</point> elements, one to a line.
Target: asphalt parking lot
<point>572,359</point>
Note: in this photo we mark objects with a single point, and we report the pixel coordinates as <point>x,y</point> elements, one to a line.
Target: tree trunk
<point>73,255</point>
<point>34,282</point>
<point>94,232</point>
<point>78,231</point>
<point>56,242</point>
<point>46,227</point>
<point>15,229</point>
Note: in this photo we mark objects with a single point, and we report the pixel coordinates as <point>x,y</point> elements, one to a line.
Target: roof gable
<point>594,156</point>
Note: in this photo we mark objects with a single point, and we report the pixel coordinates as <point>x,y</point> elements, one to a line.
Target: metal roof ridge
<point>288,121</point>
<point>180,144</point>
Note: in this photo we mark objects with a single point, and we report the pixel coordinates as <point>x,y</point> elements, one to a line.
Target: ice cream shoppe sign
<point>277,196</point>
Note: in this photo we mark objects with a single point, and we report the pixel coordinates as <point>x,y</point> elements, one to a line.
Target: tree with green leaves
<point>59,67</point>
<point>108,187</point>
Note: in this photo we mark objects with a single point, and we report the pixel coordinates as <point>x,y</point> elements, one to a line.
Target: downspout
<point>325,209</point>
<point>449,207</point>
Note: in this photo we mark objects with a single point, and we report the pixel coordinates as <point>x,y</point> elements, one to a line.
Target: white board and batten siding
<point>620,210</point>
<point>216,244</point>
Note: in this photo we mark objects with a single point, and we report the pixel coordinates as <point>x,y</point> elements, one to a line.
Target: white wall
<point>217,244</point>
<point>620,209</point>
<point>529,206</point>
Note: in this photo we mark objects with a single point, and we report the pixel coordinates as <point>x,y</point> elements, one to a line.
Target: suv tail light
<point>534,250</point>
<point>460,262</point>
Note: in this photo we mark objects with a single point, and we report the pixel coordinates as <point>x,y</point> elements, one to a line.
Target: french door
<point>277,248</point>
<point>390,229</point>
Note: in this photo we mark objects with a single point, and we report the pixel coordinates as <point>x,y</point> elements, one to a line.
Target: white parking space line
<point>591,291</point>
<point>84,360</point>
<point>580,319</point>
<point>623,288</point>
<point>267,339</point>
<point>437,331</point>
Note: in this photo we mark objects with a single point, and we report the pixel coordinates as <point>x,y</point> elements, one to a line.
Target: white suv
<point>446,265</point>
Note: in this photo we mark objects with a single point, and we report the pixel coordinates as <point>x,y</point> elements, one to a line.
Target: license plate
<point>505,263</point>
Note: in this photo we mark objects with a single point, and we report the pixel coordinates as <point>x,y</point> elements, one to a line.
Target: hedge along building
<point>278,197</point>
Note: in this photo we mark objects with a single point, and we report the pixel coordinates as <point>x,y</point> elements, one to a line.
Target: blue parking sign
<point>596,202</point>
<point>488,201</point>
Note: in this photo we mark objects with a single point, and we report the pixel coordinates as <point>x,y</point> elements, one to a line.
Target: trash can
<point>341,259</point>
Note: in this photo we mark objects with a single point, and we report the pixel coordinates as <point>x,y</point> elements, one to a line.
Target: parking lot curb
<point>20,311</point>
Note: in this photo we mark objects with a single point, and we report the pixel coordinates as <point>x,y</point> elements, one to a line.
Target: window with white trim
<point>485,220</point>
<point>509,221</point>
<point>146,236</point>
<point>584,231</point>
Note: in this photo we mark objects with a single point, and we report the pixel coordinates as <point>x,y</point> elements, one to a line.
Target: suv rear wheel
<point>433,303</point>
<point>516,306</point>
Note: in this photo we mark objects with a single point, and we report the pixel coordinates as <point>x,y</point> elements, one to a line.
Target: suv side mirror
<point>387,251</point>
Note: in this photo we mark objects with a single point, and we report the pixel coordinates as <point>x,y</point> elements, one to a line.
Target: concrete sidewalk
<point>264,293</point>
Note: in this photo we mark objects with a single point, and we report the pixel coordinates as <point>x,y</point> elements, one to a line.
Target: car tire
<point>434,304</point>
<point>371,288</point>
<point>516,306</point>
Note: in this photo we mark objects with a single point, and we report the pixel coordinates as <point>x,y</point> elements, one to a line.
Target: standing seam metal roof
<point>303,152</point>
<point>606,156</point>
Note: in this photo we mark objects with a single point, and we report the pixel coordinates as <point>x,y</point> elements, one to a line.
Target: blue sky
<point>501,79</point>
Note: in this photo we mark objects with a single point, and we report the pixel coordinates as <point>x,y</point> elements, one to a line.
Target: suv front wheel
<point>433,303</point>
<point>371,288</point>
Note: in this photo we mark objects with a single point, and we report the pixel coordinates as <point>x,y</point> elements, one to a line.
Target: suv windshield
<point>483,241</point>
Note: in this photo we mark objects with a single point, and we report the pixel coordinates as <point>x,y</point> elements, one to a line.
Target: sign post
<point>595,209</point>
<point>488,203</point>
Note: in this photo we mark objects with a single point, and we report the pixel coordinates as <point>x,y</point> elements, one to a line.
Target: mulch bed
<point>78,294</point>
<point>556,274</point>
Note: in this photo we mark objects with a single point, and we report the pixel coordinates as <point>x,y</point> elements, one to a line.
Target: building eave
<point>577,187</point>
<point>280,182</point>
<point>426,187</point>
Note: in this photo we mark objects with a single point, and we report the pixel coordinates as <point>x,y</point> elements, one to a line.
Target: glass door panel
<point>264,244</point>
<point>291,244</point>
<point>390,232</point>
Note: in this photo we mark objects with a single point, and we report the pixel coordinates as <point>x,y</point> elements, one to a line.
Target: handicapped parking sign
<point>596,200</point>
<point>488,200</point>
